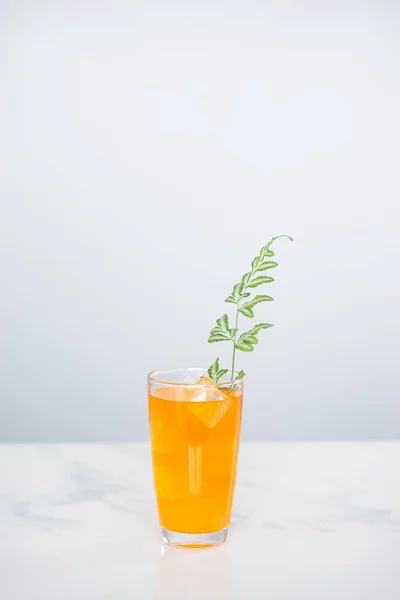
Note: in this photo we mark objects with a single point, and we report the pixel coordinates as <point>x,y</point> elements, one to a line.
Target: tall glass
<point>194,430</point>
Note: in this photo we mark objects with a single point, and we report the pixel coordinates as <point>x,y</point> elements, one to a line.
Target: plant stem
<point>234,341</point>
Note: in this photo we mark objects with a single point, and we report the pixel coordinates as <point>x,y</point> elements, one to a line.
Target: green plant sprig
<point>247,340</point>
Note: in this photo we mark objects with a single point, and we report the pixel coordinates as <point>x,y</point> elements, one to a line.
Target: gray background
<point>149,149</point>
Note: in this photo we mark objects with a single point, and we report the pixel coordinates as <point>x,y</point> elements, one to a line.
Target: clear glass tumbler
<point>194,430</point>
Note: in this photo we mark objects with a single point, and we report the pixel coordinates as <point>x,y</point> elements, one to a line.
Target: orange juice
<point>194,441</point>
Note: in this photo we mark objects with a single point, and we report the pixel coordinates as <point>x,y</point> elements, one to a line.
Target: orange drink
<point>194,430</point>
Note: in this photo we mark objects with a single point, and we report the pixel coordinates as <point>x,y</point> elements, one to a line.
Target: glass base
<point>194,540</point>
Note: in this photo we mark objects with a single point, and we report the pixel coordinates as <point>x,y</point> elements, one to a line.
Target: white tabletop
<point>311,521</point>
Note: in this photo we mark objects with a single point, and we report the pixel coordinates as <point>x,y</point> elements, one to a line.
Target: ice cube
<point>177,394</point>
<point>209,404</point>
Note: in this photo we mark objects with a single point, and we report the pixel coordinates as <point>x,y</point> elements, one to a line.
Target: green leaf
<point>255,263</point>
<point>246,295</point>
<point>265,251</point>
<point>259,326</point>
<point>248,336</point>
<point>219,331</point>
<point>256,300</point>
<point>230,299</point>
<point>244,346</point>
<point>223,323</point>
<point>247,312</point>
<point>237,290</point>
<point>213,370</point>
<point>268,264</point>
<point>217,337</point>
<point>240,375</point>
<point>221,373</point>
<point>245,280</point>
<point>246,309</point>
<point>259,281</point>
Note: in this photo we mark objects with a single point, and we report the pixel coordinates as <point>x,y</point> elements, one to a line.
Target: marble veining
<point>316,521</point>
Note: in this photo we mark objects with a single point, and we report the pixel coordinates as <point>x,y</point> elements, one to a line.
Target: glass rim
<point>152,377</point>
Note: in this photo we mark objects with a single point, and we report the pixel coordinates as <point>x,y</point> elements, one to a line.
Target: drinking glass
<point>194,430</point>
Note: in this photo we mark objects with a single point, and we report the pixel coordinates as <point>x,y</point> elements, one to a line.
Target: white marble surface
<point>311,521</point>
